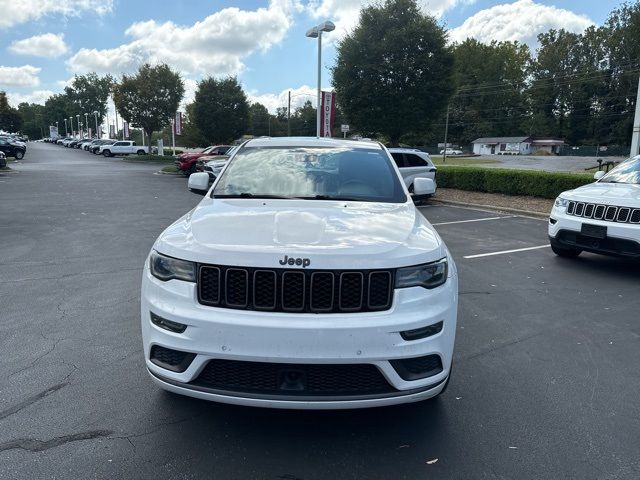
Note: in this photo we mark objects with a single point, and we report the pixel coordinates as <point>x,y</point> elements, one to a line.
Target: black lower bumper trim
<point>617,247</point>
<point>297,398</point>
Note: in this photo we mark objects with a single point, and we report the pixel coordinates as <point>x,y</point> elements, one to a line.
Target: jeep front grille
<point>284,290</point>
<point>609,213</point>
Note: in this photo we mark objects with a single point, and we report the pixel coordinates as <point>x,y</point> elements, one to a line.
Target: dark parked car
<point>11,149</point>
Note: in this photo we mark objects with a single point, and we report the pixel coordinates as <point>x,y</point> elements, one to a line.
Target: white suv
<point>603,217</point>
<point>414,164</point>
<point>305,278</point>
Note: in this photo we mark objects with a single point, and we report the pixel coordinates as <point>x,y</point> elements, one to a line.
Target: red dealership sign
<point>327,114</point>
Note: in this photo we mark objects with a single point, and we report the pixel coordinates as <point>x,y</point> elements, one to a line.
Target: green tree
<point>393,71</point>
<point>150,98</point>
<point>259,120</point>
<point>33,120</point>
<point>89,93</point>
<point>191,134</point>
<point>57,108</point>
<point>221,110</point>
<point>304,120</point>
<point>10,119</point>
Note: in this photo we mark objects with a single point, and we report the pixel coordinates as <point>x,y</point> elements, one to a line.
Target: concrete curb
<point>494,208</point>
<point>160,172</point>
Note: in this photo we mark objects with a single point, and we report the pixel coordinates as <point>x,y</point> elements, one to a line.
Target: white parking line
<point>473,220</point>
<point>507,251</point>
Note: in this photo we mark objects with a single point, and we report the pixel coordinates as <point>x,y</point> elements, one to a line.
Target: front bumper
<point>371,338</point>
<point>565,231</point>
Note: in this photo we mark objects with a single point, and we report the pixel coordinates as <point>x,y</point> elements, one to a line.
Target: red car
<point>186,162</point>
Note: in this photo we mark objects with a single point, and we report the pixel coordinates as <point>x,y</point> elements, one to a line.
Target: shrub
<point>510,182</point>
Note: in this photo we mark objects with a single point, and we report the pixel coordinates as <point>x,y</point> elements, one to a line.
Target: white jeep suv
<point>413,164</point>
<point>306,279</point>
<point>602,217</point>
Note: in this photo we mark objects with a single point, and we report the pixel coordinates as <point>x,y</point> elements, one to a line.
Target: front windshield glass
<point>320,173</point>
<point>626,172</point>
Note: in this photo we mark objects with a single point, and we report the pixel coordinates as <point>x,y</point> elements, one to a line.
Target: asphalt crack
<point>35,445</point>
<point>32,399</point>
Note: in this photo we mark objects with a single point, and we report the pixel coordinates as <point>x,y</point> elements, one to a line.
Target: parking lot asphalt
<point>545,381</point>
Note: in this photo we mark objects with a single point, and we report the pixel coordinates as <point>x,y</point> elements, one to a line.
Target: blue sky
<point>44,44</point>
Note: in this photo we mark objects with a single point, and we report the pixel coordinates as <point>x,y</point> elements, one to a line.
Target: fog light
<point>167,324</point>
<point>422,332</point>
<point>552,221</point>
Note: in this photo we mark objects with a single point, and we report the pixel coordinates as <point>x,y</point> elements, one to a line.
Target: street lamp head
<point>312,32</point>
<point>326,26</point>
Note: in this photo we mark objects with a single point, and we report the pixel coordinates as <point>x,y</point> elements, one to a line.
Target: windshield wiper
<point>248,195</point>
<point>333,197</point>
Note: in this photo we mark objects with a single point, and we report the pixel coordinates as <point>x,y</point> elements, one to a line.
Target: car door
<point>398,157</point>
<point>416,166</point>
<point>118,147</point>
<point>4,147</point>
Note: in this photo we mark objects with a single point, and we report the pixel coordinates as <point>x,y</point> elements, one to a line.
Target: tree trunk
<point>149,133</point>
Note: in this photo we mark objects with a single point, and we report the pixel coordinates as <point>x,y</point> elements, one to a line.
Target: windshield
<point>626,172</point>
<point>311,173</point>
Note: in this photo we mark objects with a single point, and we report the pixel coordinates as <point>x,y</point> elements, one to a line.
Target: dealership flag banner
<point>112,131</point>
<point>178,123</point>
<point>53,131</point>
<point>125,127</point>
<point>328,113</point>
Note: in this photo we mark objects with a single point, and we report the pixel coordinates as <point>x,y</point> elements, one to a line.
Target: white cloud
<point>345,13</point>
<point>299,96</point>
<point>216,45</point>
<point>25,76</point>
<point>37,96</point>
<point>521,20</point>
<point>15,12</point>
<point>48,45</point>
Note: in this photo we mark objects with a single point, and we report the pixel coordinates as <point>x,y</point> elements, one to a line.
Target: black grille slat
<point>209,285</point>
<point>318,379</point>
<point>623,214</point>
<point>599,212</point>
<point>265,289</point>
<point>322,291</point>
<point>237,287</point>
<point>635,216</point>
<point>571,208</point>
<point>379,290</point>
<point>351,291</point>
<point>588,210</point>
<point>610,213</point>
<point>293,291</point>
<point>579,209</point>
<point>297,290</point>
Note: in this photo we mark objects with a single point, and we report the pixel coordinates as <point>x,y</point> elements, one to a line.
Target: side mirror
<point>199,183</point>
<point>598,175</point>
<point>424,186</point>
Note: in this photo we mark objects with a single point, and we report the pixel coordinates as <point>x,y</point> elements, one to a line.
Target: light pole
<point>86,121</point>
<point>71,120</point>
<point>316,32</point>
<point>79,129</point>
<point>66,131</point>
<point>57,128</point>
<point>95,114</point>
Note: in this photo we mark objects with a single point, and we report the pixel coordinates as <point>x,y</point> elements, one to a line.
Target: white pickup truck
<point>125,147</point>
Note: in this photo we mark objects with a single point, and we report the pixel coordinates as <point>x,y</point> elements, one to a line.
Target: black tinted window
<point>414,160</point>
<point>398,158</point>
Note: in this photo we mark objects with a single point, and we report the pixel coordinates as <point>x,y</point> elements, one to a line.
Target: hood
<point>332,235</point>
<point>190,155</point>
<point>621,194</point>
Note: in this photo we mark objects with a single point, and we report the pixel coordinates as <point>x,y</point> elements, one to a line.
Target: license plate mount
<point>594,231</point>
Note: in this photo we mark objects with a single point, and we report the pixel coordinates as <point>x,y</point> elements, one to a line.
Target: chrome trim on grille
<point>607,213</point>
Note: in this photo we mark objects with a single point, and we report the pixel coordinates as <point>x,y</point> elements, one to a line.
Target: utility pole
<point>289,116</point>
<point>635,137</point>
<point>117,125</point>
<point>446,133</point>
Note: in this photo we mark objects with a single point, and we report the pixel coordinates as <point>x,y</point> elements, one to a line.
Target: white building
<point>516,145</point>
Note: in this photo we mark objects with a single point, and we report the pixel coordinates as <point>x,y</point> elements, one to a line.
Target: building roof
<point>490,140</point>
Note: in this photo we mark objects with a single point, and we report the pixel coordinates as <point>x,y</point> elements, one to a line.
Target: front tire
<point>566,252</point>
<point>19,155</point>
<point>106,153</point>
<point>141,152</point>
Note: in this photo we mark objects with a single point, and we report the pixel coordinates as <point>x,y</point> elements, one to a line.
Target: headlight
<point>428,275</point>
<point>561,202</point>
<point>167,268</point>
